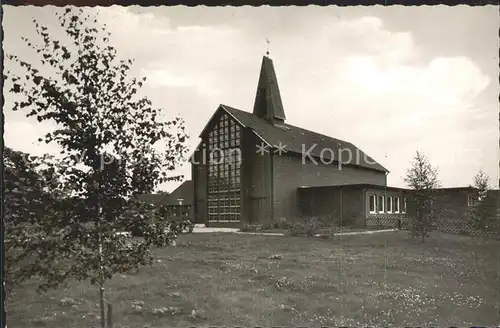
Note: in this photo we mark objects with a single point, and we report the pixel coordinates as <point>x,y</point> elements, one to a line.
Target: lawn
<point>234,280</point>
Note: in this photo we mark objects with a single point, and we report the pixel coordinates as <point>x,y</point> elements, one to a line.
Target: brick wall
<point>452,203</point>
<point>450,208</point>
<point>199,176</point>
<point>290,173</point>
<point>455,215</point>
<point>256,182</point>
<point>343,206</point>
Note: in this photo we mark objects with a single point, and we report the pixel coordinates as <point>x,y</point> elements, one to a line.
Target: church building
<point>252,167</point>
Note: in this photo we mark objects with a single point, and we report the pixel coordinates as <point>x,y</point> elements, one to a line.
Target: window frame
<point>374,197</point>
<point>396,205</point>
<point>389,204</point>
<point>381,201</point>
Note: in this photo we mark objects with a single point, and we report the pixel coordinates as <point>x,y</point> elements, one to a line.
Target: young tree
<point>108,136</point>
<point>482,183</point>
<point>483,212</point>
<point>422,177</point>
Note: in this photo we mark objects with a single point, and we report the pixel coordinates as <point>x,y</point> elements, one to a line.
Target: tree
<point>422,177</point>
<point>109,137</point>
<point>482,183</point>
<point>23,184</point>
<point>483,211</point>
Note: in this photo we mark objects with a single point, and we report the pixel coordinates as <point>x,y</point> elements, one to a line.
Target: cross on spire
<point>267,51</point>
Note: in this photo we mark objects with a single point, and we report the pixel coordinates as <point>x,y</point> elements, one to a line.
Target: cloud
<point>353,78</point>
<point>162,77</point>
<point>23,136</point>
<point>383,97</point>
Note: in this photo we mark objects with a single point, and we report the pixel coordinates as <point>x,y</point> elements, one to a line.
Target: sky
<point>391,80</point>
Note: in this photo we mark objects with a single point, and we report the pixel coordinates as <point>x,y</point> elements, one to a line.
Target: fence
<point>387,222</point>
<point>464,226</point>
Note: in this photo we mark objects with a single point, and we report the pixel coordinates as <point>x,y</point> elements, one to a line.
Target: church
<point>252,167</point>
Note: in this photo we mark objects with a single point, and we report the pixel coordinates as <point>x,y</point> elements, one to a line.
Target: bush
<point>267,226</point>
<point>183,224</point>
<point>281,223</point>
<point>296,229</point>
<point>306,226</point>
<point>251,228</point>
<point>484,215</point>
<point>136,231</point>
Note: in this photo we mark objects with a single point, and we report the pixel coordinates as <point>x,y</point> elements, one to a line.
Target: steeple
<point>268,103</point>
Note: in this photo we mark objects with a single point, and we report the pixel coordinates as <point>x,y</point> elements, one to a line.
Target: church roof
<point>184,191</point>
<point>298,140</point>
<point>268,122</point>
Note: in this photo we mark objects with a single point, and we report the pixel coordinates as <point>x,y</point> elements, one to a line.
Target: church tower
<point>268,103</point>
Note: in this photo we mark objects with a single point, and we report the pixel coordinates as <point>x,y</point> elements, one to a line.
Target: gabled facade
<point>248,166</point>
<point>180,201</point>
<point>177,203</point>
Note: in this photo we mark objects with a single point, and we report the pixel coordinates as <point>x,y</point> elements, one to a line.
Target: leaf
<point>37,80</point>
<point>16,88</point>
<point>68,214</point>
<point>24,104</point>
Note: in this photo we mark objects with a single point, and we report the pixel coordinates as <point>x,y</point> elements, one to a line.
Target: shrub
<point>306,226</point>
<point>251,228</point>
<point>267,226</point>
<point>281,223</point>
<point>296,229</point>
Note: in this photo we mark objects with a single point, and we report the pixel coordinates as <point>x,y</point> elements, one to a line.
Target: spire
<point>268,103</point>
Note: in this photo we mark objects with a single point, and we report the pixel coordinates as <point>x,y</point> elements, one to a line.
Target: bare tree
<point>422,177</point>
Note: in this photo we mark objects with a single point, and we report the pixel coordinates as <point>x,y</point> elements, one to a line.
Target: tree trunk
<point>101,299</point>
<point>4,313</point>
<point>110,316</point>
<point>101,272</point>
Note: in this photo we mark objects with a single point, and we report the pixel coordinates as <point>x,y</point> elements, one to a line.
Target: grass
<point>230,280</point>
<point>328,231</point>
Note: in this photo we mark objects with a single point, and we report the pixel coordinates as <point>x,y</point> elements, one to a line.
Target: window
<point>380,207</point>
<point>224,164</point>
<point>404,206</point>
<point>471,201</point>
<point>396,204</point>
<point>389,204</point>
<point>373,204</point>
